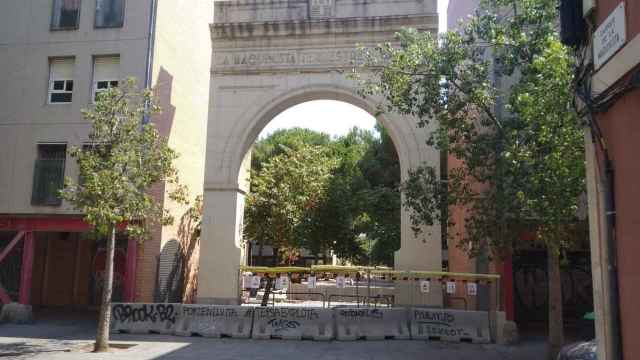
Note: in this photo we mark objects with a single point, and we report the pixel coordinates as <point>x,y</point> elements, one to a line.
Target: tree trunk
<point>556,326</point>
<point>274,257</point>
<point>102,336</point>
<point>260,250</point>
<point>267,291</point>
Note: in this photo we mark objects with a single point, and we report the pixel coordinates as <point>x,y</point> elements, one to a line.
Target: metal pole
<point>368,284</point>
<point>240,287</point>
<point>357,276</point>
<point>498,295</point>
<point>411,286</point>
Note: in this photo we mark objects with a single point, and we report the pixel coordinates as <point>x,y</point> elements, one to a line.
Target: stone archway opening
<point>365,198</point>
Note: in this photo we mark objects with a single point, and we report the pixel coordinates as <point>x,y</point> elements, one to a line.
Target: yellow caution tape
<point>278,269</point>
<point>373,270</point>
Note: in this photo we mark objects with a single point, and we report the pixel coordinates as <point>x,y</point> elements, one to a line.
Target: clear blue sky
<point>332,117</point>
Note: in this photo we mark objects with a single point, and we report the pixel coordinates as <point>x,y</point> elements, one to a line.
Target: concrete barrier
<point>140,318</point>
<point>372,324</point>
<point>293,323</point>
<point>215,321</point>
<point>503,331</point>
<point>450,325</point>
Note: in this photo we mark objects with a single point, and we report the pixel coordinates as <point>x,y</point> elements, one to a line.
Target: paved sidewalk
<point>71,339</point>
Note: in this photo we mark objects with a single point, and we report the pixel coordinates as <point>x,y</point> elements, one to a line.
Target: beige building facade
<point>229,75</point>
<point>55,56</point>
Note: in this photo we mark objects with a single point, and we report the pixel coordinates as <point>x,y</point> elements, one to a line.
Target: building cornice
<point>237,30</point>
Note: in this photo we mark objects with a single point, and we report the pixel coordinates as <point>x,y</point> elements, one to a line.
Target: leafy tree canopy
<point>121,164</point>
<point>355,192</point>
<point>517,139</point>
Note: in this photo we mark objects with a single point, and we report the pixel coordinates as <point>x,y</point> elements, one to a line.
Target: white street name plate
<point>609,37</point>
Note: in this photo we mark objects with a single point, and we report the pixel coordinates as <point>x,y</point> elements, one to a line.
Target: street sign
<point>425,286</point>
<point>451,287</point>
<point>610,36</point>
<point>472,289</point>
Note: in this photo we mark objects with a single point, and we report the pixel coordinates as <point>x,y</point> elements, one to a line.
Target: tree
<point>283,192</point>
<point>336,217</point>
<point>359,199</point>
<point>379,200</point>
<point>517,139</point>
<point>126,157</point>
<point>276,143</point>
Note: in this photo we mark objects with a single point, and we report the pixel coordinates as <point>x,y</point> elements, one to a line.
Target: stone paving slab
<point>174,347</point>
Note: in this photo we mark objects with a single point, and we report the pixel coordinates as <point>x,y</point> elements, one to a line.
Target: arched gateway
<point>269,55</point>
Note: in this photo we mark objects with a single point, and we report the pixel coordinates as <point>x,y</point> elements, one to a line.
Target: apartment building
<point>55,56</point>
<point>607,35</point>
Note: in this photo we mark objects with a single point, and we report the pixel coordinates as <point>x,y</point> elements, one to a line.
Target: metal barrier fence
<point>355,286</point>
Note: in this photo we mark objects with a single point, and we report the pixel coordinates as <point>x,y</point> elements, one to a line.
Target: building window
<point>106,72</point>
<point>48,175</point>
<point>61,80</point>
<point>66,14</point>
<point>109,13</point>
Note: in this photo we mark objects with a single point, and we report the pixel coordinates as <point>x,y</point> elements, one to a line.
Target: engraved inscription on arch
<point>285,59</point>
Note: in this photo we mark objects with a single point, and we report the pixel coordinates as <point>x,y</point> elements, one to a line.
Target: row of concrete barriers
<point>348,323</point>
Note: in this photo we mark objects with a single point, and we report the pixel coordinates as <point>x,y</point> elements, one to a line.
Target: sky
<point>332,117</point>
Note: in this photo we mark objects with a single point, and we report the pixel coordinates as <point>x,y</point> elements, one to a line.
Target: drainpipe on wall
<point>153,9</point>
<point>612,258</point>
<point>609,239</point>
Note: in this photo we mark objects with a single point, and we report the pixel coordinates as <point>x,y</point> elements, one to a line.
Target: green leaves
<point>310,191</point>
<point>425,196</point>
<point>283,192</point>
<point>501,94</point>
<point>124,160</point>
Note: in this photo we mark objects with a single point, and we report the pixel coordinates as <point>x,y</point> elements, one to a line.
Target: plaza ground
<point>70,337</point>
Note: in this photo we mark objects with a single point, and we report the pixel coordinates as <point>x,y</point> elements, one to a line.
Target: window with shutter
<point>48,176</point>
<point>109,13</point>
<point>106,72</point>
<point>61,80</point>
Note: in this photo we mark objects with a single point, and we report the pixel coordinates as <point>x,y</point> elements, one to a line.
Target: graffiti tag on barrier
<point>283,324</point>
<point>287,313</point>
<point>439,330</point>
<point>211,312</point>
<point>441,317</point>
<point>144,313</point>
<point>362,313</point>
<point>438,323</point>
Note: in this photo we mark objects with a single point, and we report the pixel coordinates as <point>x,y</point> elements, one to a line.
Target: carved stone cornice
<point>252,30</point>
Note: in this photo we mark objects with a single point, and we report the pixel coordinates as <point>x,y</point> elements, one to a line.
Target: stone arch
<point>321,92</point>
<point>266,59</point>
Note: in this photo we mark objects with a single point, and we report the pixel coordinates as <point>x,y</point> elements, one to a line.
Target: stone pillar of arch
<point>268,57</point>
